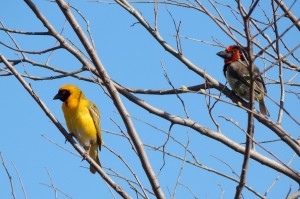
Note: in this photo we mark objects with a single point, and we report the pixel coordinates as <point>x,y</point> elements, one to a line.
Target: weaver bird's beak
<point>62,95</point>
<point>57,96</point>
<point>224,54</point>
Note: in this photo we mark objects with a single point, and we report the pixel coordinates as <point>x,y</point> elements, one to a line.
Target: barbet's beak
<point>224,54</point>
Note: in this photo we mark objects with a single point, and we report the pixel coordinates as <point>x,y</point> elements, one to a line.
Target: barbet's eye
<point>230,54</point>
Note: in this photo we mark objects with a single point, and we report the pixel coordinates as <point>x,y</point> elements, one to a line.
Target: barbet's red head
<point>233,53</point>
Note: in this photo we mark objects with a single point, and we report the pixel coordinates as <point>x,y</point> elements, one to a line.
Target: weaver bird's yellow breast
<point>79,121</point>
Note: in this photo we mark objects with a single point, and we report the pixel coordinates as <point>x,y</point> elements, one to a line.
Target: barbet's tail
<point>263,109</point>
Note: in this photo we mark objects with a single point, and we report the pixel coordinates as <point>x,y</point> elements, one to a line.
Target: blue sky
<point>132,58</point>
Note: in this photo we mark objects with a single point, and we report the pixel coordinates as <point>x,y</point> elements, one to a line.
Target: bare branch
<point>32,52</point>
<point>24,32</point>
<point>288,13</point>
<point>214,135</point>
<point>250,122</point>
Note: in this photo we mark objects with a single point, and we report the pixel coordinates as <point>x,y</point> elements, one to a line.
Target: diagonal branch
<point>209,133</point>
<point>115,97</point>
<point>210,80</point>
<point>114,185</point>
<point>288,13</point>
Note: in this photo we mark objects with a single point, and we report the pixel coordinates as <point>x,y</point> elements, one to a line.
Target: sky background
<point>132,58</point>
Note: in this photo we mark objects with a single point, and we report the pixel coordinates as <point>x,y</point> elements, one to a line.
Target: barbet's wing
<point>239,70</point>
<point>259,79</point>
<point>94,112</point>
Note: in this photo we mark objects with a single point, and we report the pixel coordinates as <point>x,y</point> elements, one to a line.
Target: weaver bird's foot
<point>68,137</point>
<point>84,156</point>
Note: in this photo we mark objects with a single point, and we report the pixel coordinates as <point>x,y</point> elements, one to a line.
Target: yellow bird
<point>83,119</point>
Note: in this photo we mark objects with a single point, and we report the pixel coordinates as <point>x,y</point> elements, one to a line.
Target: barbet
<point>236,71</point>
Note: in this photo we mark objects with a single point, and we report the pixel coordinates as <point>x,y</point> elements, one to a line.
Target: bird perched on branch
<point>83,120</point>
<point>236,70</point>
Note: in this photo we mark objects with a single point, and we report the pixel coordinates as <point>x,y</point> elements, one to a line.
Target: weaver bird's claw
<point>84,156</point>
<point>69,136</point>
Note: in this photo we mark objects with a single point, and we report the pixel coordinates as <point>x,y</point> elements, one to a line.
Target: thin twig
<point>57,189</point>
<point>282,92</point>
<point>171,84</point>
<point>52,183</point>
<point>131,171</point>
<point>60,146</point>
<point>9,177</point>
<point>20,180</point>
<point>181,168</point>
<point>278,176</point>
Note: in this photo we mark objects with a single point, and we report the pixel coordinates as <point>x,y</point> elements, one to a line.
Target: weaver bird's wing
<point>94,112</point>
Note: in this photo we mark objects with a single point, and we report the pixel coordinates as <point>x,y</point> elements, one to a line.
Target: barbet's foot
<point>232,93</point>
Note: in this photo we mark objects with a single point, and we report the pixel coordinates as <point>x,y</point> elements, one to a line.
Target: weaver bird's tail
<point>94,155</point>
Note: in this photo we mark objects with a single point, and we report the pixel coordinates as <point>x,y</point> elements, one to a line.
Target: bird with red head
<point>237,72</point>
